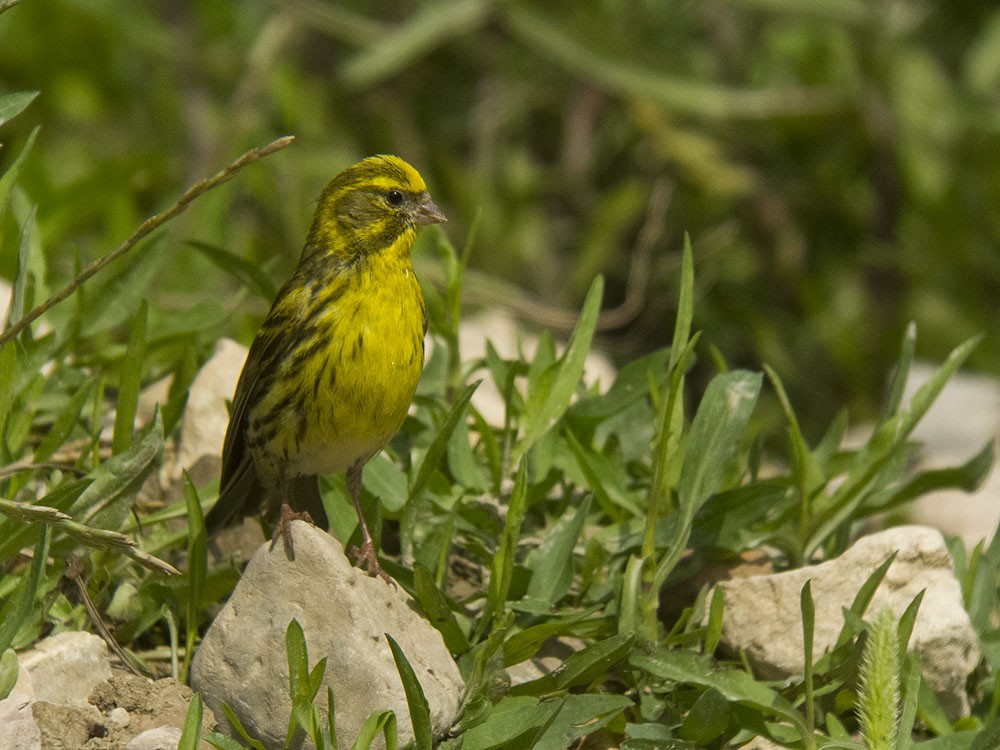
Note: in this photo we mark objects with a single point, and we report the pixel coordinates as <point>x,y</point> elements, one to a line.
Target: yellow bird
<point>332,371</point>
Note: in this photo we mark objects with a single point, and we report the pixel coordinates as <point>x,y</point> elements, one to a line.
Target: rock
<point>66,727</point>
<point>344,615</point>
<point>965,416</point>
<point>762,616</point>
<point>206,416</point>
<point>66,667</point>
<point>17,723</point>
<point>160,738</point>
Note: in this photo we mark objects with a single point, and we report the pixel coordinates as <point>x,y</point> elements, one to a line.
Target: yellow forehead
<point>385,172</point>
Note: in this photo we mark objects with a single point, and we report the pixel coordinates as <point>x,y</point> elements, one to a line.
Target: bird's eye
<point>394,197</point>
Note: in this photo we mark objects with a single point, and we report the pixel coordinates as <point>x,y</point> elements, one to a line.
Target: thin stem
<point>147,227</point>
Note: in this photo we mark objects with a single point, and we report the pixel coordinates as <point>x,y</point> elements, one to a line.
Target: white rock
<point>344,615</point>
<point>206,416</point>
<point>64,668</point>
<point>160,738</point>
<point>965,416</point>
<point>17,723</point>
<point>762,615</point>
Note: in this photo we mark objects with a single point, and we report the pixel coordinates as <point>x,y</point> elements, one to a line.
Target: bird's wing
<point>240,489</point>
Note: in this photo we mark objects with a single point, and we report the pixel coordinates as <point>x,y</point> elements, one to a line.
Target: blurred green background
<point>835,162</point>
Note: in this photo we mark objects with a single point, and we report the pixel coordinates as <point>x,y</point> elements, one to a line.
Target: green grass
<point>579,506</point>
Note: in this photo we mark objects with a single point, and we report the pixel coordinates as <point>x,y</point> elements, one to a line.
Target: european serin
<point>332,371</point>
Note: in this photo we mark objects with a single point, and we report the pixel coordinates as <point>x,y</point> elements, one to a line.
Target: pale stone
<point>206,416</point>
<point>344,615</point>
<point>965,416</point>
<point>762,615</point>
<point>65,667</point>
<point>17,723</point>
<point>160,738</point>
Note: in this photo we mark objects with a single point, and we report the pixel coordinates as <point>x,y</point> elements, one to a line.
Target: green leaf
<point>707,719</point>
<point>551,563</point>
<point>20,607</point>
<point>511,719</point>
<point>192,725</point>
<point>416,701</point>
<point>808,609</point>
<point>8,672</point>
<point>238,726</point>
<point>435,607</point>
<point>502,568</point>
<point>107,501</point>
<point>898,386</point>
<point>65,422</point>
<point>386,481</point>
<point>222,741</point>
<point>864,597</point>
<point>250,274</point>
<point>550,397</point>
<point>113,302</point>
<point>197,568</point>
<point>579,716</point>
<point>11,105</point>
<point>130,381</point>
<point>688,668</point>
<point>432,458</point>
<point>8,178</point>
<point>383,722</point>
<point>882,448</point>
<point>713,628</point>
<point>607,478</point>
<point>580,668</point>
<point>718,426</point>
<point>30,279</point>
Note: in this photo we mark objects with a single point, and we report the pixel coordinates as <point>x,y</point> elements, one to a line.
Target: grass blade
<point>416,701</point>
<point>549,399</point>
<point>130,382</point>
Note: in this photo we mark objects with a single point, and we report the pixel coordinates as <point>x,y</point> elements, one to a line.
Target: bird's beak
<point>427,212</point>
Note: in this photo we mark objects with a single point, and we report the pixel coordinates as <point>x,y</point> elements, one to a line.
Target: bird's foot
<point>284,528</point>
<point>365,556</point>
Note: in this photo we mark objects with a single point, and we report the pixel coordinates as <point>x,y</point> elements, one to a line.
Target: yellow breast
<point>354,391</point>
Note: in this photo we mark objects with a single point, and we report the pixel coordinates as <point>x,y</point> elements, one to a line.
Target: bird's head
<point>371,206</point>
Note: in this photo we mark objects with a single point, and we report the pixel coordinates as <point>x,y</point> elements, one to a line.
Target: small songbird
<point>332,371</point>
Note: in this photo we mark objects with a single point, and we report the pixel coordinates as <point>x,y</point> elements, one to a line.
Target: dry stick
<point>150,224</point>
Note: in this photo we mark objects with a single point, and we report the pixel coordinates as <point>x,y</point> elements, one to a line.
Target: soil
<point>117,711</point>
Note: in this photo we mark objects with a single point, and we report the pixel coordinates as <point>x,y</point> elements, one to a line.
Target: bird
<point>331,374</point>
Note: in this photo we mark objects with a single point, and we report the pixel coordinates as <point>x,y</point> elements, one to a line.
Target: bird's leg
<point>365,555</point>
<point>285,518</point>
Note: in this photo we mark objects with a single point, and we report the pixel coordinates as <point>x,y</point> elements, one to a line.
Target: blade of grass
<point>808,609</point>
<point>197,571</point>
<point>549,399</point>
<point>130,382</point>
<point>20,606</point>
<point>416,701</point>
<point>503,560</point>
<point>192,725</point>
<point>11,105</point>
<point>439,445</point>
